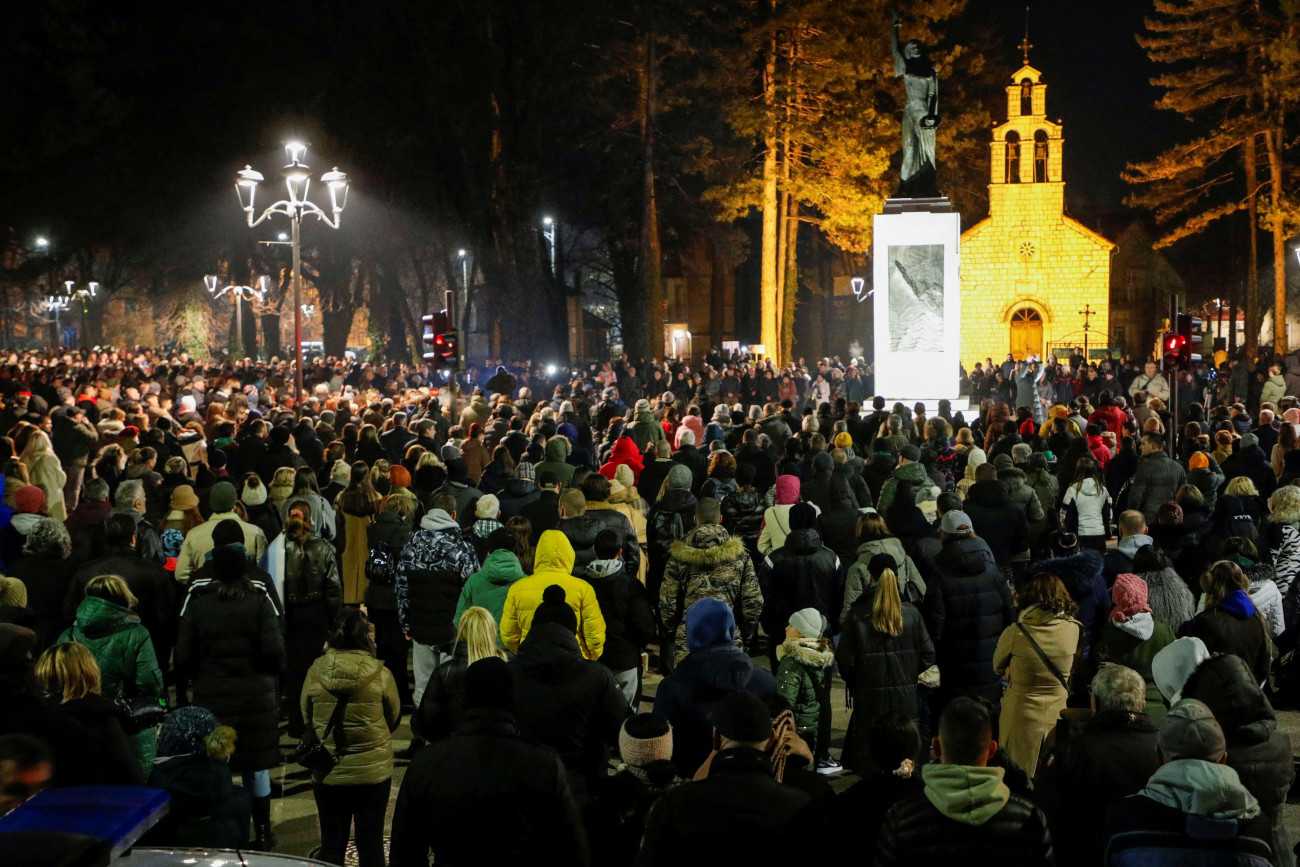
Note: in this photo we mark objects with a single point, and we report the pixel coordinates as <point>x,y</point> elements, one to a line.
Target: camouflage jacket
<point>709,562</point>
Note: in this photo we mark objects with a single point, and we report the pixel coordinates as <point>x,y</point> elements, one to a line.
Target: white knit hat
<point>253,496</point>
<point>488,506</point>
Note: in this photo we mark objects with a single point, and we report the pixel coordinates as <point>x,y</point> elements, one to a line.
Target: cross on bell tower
<point>1025,44</point>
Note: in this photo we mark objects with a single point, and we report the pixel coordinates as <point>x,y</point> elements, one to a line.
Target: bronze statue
<point>920,117</point>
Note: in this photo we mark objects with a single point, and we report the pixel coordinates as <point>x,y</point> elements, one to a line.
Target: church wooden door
<point>1026,333</point>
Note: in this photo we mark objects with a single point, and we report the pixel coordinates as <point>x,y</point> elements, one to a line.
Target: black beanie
<point>803,516</point>
<point>502,538</point>
<point>227,532</point>
<point>489,686</point>
<point>555,610</point>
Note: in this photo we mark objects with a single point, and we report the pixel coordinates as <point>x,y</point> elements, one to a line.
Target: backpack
<point>381,566</point>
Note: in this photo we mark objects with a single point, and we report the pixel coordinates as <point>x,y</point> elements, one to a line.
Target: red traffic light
<point>1174,342</point>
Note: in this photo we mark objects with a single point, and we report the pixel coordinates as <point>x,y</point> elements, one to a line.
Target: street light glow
<point>460,254</point>
<point>42,242</point>
<point>546,221</point>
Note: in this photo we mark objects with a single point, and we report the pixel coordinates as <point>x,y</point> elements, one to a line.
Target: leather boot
<point>263,837</point>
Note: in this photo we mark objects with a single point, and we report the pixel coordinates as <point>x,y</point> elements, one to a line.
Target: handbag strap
<point>1051,666</point>
<point>340,707</point>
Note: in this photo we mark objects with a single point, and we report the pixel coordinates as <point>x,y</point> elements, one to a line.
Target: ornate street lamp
<point>238,295</point>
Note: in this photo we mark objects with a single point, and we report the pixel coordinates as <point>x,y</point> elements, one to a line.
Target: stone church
<point>1033,281</point>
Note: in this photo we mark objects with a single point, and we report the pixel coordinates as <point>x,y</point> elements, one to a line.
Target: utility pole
<point>1087,312</point>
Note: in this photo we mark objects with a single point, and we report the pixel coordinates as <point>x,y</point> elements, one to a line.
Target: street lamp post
<point>461,349</point>
<point>57,304</point>
<point>83,297</point>
<point>297,179</point>
<point>308,311</point>
<point>238,295</point>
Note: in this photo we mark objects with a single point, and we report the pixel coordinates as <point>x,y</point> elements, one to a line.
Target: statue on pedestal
<point>920,117</point>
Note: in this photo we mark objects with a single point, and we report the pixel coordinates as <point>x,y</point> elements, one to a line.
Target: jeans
<point>338,807</point>
<point>424,659</point>
<point>257,783</point>
<point>630,683</point>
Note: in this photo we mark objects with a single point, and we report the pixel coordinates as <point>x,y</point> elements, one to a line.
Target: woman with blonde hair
<point>439,710</point>
<point>69,676</point>
<point>111,630</point>
<point>1036,654</point>
<point>280,489</point>
<point>884,647</point>
<point>1229,621</point>
<point>46,473</point>
<point>1281,535</point>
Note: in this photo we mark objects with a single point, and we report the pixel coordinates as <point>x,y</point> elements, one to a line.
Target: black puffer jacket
<point>581,533</point>
<point>441,705</point>
<point>802,573</point>
<point>967,605</point>
<point>387,531</point>
<point>915,832</point>
<point>742,514</point>
<point>1257,751</point>
<point>629,623</point>
<point>233,652</point>
<point>997,520</point>
<point>565,702</point>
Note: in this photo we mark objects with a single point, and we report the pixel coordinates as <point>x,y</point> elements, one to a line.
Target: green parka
<point>127,666</point>
<point>364,747</point>
<point>487,588</point>
<point>803,674</point>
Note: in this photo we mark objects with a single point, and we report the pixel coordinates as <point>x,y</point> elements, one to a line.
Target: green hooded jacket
<point>803,675</point>
<point>557,452</point>
<point>913,472</point>
<point>487,588</point>
<point>965,793</point>
<point>127,666</point>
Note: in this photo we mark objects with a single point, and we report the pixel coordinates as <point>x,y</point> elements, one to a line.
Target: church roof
<point>1027,71</point>
<point>1096,237</point>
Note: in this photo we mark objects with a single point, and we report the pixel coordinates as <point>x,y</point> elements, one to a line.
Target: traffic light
<point>1173,345</point>
<point>440,340</point>
<point>1182,344</point>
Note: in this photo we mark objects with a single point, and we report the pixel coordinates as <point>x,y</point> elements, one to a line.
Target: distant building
<point>1028,271</point>
<point>1141,283</point>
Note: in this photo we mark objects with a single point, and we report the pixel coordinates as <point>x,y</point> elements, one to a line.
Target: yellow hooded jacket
<point>553,564</point>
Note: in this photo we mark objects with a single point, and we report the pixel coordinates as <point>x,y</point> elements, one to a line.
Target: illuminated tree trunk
<point>1273,142</point>
<point>644,338</point>
<point>769,279</point>
<point>1252,274</point>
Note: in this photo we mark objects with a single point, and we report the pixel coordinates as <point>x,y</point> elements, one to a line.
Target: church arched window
<point>1040,157</point>
<point>1013,157</point>
<point>1026,97</point>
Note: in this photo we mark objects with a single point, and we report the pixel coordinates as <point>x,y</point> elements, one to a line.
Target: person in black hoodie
<point>563,701</point>
<point>543,513</point>
<point>629,622</point>
<point>967,606</point>
<point>1229,622</point>
<point>802,573</point>
<point>277,455</point>
<point>838,522</point>
<point>996,519</point>
<point>520,491</point>
<point>389,533</point>
<point>753,455</point>
<point>487,786</point>
<point>1257,750</point>
<point>1249,460</point>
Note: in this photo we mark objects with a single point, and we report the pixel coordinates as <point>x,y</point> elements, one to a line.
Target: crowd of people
<point>1062,624</point>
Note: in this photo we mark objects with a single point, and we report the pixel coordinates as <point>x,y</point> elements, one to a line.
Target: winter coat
<point>1274,390</point>
<point>485,783</point>
<point>363,744</point>
<point>1110,758</point>
<point>1171,602</point>
<point>1207,480</point>
<point>198,544</point>
<point>553,564</point>
<point>742,514</point>
<point>629,623</point>
<point>802,573</point>
<point>625,451</point>
<point>127,665</point>
<point>1155,483</point>
<point>1089,500</point>
<point>487,588</point>
<point>433,567</point>
<point>634,533</point>
<point>880,671</point>
<point>1257,750</point>
<point>803,676</point>
<point>311,575</point>
<point>1133,644</point>
<point>913,473</point>
<point>765,821</point>
<point>645,431</point>
<point>47,579</point>
<point>1081,575</point>
<point>389,532</point>
<point>557,454</point>
<point>1035,697</point>
<point>965,816</point>
<point>232,649</point>
<point>858,580</point>
<point>46,474</point>
<point>1250,461</point>
<point>1234,626</point>
<point>709,562</point>
<point>207,810</point>
<point>687,697</point>
<point>998,521</point>
<point>150,583</point>
<point>570,704</point>
<point>967,607</point>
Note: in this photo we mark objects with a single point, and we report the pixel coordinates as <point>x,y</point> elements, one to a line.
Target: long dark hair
<point>360,497</point>
<point>352,632</point>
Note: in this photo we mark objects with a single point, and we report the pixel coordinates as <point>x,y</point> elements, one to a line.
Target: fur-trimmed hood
<point>708,545</point>
<point>806,651</point>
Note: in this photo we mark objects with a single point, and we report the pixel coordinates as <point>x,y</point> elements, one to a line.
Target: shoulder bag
<point>311,752</point>
<point>1051,666</point>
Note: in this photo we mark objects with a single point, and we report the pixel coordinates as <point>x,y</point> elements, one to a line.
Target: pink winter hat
<point>1130,597</point>
<point>787,490</point>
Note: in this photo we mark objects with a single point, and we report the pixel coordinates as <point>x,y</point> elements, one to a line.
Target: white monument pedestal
<point>917,296</point>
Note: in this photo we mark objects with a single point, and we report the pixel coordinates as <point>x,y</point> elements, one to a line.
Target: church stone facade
<point>1028,271</point>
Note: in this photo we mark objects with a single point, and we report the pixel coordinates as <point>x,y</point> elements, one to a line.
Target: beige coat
<point>47,474</point>
<point>197,544</point>
<point>373,711</point>
<point>1035,698</point>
